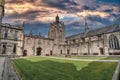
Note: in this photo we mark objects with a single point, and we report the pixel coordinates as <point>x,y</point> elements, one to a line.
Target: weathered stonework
<point>37,45</point>
<point>11,40</point>
<point>103,41</point>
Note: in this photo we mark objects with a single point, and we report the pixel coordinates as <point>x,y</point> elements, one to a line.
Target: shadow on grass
<point>53,70</point>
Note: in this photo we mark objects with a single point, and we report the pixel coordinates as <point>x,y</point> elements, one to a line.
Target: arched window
<point>113,42</point>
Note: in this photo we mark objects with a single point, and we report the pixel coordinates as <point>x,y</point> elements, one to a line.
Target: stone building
<point>57,32</point>
<point>39,45</point>
<point>103,41</point>
<point>11,39</point>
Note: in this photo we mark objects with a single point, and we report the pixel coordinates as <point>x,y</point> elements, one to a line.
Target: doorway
<point>25,53</point>
<point>51,52</point>
<point>101,51</point>
<point>39,49</point>
<point>68,51</point>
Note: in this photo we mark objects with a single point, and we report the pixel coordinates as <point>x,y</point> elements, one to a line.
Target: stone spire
<point>86,25</point>
<point>57,19</point>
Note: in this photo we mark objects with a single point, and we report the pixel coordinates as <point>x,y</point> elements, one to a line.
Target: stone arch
<point>39,49</point>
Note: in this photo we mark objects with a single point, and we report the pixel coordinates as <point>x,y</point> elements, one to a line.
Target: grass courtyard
<point>39,68</point>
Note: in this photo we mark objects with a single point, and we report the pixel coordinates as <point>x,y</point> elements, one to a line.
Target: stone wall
<point>33,43</point>
<point>94,45</point>
<point>11,39</point>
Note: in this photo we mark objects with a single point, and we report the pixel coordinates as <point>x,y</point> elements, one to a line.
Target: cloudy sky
<point>38,14</point>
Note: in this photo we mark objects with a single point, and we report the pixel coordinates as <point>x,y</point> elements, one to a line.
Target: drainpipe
<point>89,46</point>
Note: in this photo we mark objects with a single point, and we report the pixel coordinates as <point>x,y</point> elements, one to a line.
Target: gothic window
<point>16,35</point>
<point>113,42</point>
<point>6,33</point>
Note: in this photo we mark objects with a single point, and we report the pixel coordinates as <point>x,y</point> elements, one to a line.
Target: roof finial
<point>86,25</point>
<point>57,18</point>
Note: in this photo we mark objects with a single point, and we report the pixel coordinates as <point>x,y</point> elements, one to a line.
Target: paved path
<point>2,60</point>
<point>83,59</point>
<point>7,71</point>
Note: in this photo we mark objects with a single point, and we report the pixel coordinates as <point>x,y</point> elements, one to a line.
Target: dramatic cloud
<point>38,14</point>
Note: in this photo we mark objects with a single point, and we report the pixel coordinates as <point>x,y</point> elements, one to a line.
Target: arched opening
<point>39,49</point>
<point>25,53</point>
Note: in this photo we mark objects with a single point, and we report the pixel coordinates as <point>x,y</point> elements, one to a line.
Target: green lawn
<point>39,68</point>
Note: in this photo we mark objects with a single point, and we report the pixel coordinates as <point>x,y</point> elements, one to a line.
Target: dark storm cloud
<point>108,10</point>
<point>68,5</point>
<point>47,9</point>
<point>115,15</point>
<point>104,21</point>
<point>85,7</point>
<point>109,1</point>
<point>28,15</point>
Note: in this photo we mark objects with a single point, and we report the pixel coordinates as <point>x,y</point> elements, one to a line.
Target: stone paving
<point>7,71</point>
<point>2,59</point>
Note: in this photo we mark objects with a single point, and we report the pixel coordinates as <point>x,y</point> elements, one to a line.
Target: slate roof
<point>103,30</point>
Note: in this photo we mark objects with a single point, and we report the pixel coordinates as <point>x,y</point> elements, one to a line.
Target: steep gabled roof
<point>103,30</point>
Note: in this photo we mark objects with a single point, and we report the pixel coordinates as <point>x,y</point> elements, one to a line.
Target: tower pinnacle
<point>57,18</point>
<point>86,25</point>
